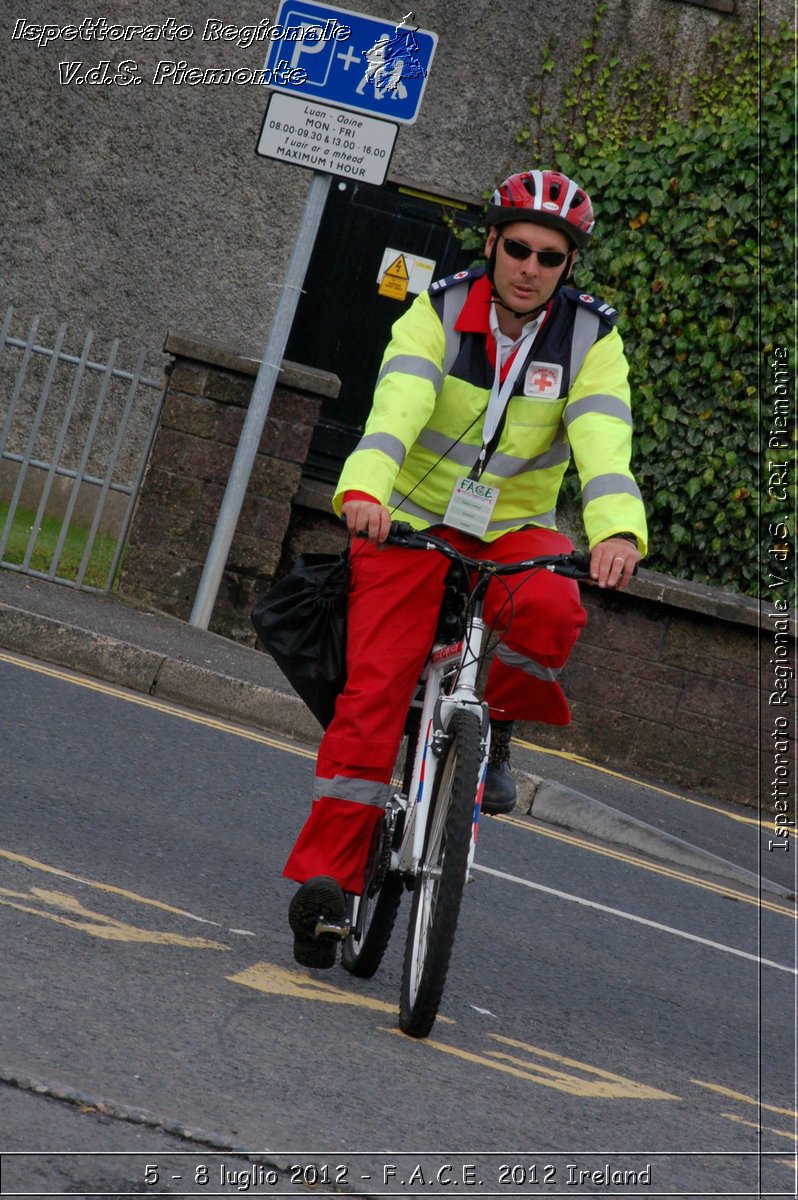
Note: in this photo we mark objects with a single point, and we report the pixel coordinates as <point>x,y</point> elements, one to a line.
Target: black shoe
<point>500,794</point>
<point>320,901</point>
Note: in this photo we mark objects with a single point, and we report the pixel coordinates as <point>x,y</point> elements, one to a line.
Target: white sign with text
<point>323,138</point>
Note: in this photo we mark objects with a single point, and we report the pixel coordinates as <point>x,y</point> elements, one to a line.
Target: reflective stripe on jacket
<point>425,427</point>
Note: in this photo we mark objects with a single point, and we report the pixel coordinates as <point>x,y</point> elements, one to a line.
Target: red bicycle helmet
<point>547,198</point>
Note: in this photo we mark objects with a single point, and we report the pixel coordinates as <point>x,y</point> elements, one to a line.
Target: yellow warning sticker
<point>395,279</point>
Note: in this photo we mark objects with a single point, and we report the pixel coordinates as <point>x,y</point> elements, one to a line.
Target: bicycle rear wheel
<point>373,915</point>
<point>439,884</point>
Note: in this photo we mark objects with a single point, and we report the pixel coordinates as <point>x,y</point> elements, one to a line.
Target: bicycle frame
<point>427,841</point>
<point>462,660</point>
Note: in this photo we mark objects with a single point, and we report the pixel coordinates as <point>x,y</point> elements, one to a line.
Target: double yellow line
<point>253,735</point>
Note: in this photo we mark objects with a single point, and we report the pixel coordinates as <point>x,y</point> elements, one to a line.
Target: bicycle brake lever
<point>401,529</point>
<point>577,566</point>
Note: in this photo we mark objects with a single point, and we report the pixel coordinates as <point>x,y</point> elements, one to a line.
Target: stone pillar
<point>208,389</point>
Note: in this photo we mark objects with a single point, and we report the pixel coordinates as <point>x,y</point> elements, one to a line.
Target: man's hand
<point>612,562</point>
<point>373,518</point>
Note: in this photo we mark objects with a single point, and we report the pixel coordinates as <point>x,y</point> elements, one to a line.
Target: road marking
<point>33,864</point>
<point>617,912</point>
<point>97,924</point>
<point>253,735</point>
<point>652,787</point>
<point>162,706</point>
<point>783,1133</point>
<point>299,751</point>
<point>280,981</point>
<point>581,1079</point>
<point>723,1091</point>
<point>722,889</point>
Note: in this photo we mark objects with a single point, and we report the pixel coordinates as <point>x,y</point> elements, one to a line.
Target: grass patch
<point>102,554</point>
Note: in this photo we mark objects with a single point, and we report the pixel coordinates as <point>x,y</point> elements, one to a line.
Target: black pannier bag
<point>302,623</point>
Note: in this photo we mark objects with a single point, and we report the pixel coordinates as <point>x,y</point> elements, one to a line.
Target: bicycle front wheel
<point>439,884</point>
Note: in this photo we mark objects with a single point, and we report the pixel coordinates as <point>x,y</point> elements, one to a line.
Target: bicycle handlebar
<point>575,565</point>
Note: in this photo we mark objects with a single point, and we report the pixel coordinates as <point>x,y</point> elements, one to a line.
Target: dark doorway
<point>343,322</point>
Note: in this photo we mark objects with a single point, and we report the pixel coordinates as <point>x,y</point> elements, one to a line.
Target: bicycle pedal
<point>340,929</point>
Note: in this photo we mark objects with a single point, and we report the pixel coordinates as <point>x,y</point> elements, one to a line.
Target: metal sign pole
<point>259,404</point>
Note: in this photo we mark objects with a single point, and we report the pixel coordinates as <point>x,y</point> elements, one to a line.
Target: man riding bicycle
<point>491,380</point>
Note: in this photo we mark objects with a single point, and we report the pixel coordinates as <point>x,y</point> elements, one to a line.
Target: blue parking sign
<point>345,58</point>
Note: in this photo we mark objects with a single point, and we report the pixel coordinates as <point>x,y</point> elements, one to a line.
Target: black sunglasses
<point>520,250</point>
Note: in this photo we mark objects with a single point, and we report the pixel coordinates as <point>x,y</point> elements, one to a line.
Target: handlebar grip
<point>403,534</point>
<point>398,534</point>
<point>575,566</point>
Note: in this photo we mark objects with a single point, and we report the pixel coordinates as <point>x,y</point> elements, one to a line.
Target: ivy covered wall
<point>693,245</point>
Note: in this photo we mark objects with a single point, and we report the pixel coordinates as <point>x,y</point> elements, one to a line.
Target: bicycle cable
<point>492,631</point>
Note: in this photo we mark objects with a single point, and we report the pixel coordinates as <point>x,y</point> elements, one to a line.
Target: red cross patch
<point>543,380</point>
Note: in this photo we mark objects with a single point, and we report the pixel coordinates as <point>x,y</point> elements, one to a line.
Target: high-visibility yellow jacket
<point>570,396</point>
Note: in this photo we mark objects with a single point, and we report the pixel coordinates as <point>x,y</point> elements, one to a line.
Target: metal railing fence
<point>75,437</point>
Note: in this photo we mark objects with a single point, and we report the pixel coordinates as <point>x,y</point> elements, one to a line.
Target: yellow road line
<point>580,1080</point>
<point>301,752</point>
<point>173,710</point>
<point>255,736</point>
<point>73,914</point>
<point>741,1096</point>
<point>655,868</point>
<point>783,1133</point>
<point>34,865</point>
<point>652,787</point>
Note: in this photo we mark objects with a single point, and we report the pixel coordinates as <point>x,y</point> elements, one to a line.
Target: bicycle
<point>427,839</point>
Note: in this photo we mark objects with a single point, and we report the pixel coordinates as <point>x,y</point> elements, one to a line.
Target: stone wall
<point>664,682</point>
<point>207,392</point>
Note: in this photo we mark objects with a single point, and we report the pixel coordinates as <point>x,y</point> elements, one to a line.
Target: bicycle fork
<point>437,711</point>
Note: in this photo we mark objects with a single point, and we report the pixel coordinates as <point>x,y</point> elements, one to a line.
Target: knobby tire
<point>438,888</point>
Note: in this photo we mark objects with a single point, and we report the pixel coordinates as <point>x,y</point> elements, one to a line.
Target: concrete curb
<point>555,804</point>
<point>153,674</point>
<point>236,700</point>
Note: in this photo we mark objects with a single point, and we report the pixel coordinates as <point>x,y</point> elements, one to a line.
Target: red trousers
<point>394,601</point>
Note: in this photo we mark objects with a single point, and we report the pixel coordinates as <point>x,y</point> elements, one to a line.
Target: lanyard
<point>499,396</point>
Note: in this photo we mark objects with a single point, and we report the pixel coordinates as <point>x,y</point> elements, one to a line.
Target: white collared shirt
<point>500,392</point>
<point>504,343</point>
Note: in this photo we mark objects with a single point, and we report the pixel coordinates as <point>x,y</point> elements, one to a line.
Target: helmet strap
<point>566,271</point>
<point>530,312</point>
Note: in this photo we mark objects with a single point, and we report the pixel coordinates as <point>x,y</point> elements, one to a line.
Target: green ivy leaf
<point>685,282</point>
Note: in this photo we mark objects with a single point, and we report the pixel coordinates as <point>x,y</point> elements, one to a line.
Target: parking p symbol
<point>312,52</point>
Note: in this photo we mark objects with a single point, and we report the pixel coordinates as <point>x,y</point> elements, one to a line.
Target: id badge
<point>471,506</point>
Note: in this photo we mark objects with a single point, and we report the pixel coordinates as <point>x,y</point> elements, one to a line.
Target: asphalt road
<point>611,1025</point>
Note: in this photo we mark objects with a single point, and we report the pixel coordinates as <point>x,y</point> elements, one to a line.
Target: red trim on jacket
<point>475,318</point>
<point>348,496</point>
